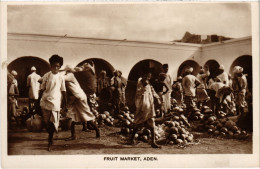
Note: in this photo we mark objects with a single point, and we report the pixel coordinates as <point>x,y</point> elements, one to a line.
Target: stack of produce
<point>126,118</point>
<point>176,130</point>
<point>173,131</point>
<point>220,125</point>
<point>105,118</point>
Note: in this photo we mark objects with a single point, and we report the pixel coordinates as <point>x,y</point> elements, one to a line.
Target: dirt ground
<point>23,142</point>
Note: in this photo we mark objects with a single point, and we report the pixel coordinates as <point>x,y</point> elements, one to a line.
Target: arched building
<point>125,55</point>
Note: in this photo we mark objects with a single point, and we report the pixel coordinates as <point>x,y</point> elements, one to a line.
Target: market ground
<point>23,142</point>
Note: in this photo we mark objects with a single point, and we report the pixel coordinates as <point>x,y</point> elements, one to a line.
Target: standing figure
<point>202,95</point>
<point>52,91</point>
<point>80,109</point>
<point>124,83</point>
<point>168,82</point>
<point>223,76</point>
<point>189,84</point>
<point>239,86</point>
<point>116,83</point>
<point>177,92</point>
<point>145,112</point>
<point>103,81</point>
<point>13,92</point>
<point>34,88</point>
<point>160,85</point>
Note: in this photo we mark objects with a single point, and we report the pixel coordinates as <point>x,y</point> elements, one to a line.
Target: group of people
<point>78,87</point>
<point>218,90</point>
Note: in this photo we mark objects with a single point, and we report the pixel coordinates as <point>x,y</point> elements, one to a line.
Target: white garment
<point>224,78</point>
<point>216,86</point>
<point>189,83</point>
<point>34,85</point>
<point>74,86</point>
<point>53,85</point>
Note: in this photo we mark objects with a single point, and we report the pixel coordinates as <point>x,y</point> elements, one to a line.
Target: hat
<point>179,78</point>
<point>33,68</point>
<point>189,70</point>
<point>221,67</point>
<point>237,69</point>
<point>56,58</point>
<point>14,73</point>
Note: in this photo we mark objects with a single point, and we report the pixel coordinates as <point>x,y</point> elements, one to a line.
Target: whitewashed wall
<point>123,55</point>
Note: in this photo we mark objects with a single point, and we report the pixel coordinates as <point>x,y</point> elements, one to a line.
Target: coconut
<point>171,124</point>
<point>210,131</point>
<point>127,122</point>
<point>173,136</point>
<point>230,133</point>
<point>222,133</point>
<point>224,129</point>
<point>173,130</point>
<point>145,138</point>
<point>106,113</point>
<point>176,118</point>
<point>132,116</point>
<point>125,108</point>
<point>184,136</point>
<point>212,127</point>
<point>216,132</point>
<point>179,141</point>
<point>189,139</point>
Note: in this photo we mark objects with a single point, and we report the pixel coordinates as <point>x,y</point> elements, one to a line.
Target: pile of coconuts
<point>220,125</point>
<point>105,119</point>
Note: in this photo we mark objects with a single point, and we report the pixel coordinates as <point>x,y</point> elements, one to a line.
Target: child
<point>52,90</point>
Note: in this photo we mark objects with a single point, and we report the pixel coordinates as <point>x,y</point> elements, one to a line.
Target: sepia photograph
<point>132,83</point>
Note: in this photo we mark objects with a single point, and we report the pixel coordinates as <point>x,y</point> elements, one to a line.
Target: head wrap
<point>14,73</point>
<point>238,69</point>
<point>189,70</point>
<point>33,68</point>
<point>221,67</point>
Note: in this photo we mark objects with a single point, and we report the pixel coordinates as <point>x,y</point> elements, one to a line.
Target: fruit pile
<point>176,130</point>
<point>219,125</point>
<point>126,119</point>
<point>105,118</point>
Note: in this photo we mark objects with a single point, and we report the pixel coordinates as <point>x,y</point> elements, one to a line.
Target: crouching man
<point>145,112</point>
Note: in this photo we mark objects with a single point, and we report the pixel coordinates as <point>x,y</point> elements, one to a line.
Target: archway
<point>136,72</point>
<point>213,67</point>
<point>100,64</point>
<point>245,62</point>
<point>186,64</point>
<point>22,66</point>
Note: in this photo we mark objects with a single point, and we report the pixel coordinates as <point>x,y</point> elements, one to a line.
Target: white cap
<point>33,68</point>
<point>14,73</point>
<point>221,67</point>
<point>237,69</point>
<point>189,70</point>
